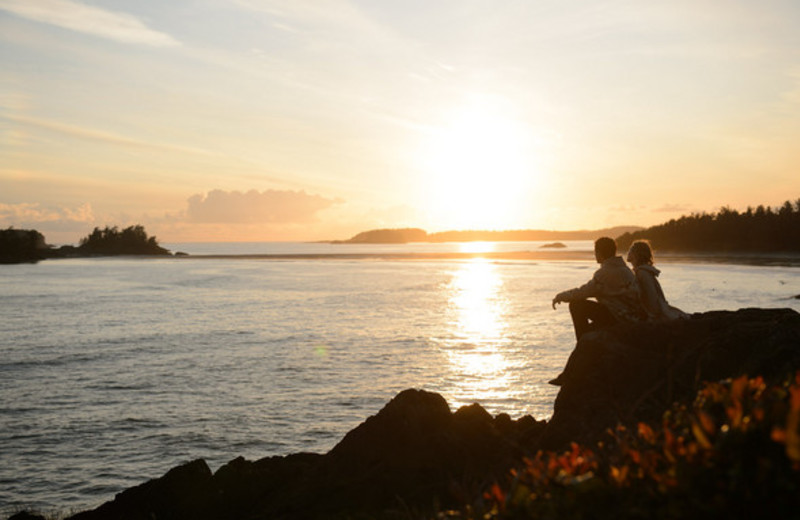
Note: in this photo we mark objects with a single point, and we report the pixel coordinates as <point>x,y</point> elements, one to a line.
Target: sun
<point>479,170</point>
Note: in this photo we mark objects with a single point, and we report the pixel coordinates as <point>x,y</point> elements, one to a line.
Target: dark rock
<point>413,454</point>
<point>181,493</point>
<point>632,373</point>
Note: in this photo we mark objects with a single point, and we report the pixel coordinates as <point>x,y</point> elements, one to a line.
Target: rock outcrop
<point>628,374</point>
<point>416,455</point>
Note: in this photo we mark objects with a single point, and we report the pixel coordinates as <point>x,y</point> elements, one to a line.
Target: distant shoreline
<point>755,259</point>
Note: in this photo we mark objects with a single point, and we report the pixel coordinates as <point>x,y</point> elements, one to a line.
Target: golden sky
<point>317,119</point>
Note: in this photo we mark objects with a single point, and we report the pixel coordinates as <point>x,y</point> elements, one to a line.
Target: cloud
<point>46,218</point>
<point>674,208</point>
<point>121,27</point>
<point>270,206</point>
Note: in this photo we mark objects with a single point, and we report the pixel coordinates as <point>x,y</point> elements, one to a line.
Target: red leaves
<point>654,460</point>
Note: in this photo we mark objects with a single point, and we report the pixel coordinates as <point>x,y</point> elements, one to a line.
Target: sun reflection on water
<point>480,369</point>
<point>477,247</point>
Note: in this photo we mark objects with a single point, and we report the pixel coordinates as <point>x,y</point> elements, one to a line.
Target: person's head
<point>640,253</point>
<point>604,248</point>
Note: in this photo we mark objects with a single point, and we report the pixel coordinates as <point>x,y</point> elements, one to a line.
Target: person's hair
<point>605,247</point>
<point>641,249</point>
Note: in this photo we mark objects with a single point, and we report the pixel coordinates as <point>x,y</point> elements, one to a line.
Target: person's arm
<point>586,290</point>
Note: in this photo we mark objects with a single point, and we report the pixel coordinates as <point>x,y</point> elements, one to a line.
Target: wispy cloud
<point>121,27</point>
<point>98,135</point>
<point>674,208</point>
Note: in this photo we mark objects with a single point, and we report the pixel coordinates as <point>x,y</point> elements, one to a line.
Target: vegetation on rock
<point>21,245</point>
<point>132,240</point>
<point>733,453</point>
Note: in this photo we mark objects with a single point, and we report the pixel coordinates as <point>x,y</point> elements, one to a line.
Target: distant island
<point>409,235</point>
<point>758,230</point>
<point>25,245</point>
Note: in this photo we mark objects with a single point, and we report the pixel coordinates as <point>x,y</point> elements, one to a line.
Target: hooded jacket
<point>614,285</point>
<point>653,300</point>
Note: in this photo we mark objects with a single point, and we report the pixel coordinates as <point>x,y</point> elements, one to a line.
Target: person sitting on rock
<point>614,288</point>
<point>640,255</point>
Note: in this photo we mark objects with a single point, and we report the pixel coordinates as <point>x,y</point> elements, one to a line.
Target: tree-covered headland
<point>21,245</point>
<point>28,245</point>
<point>132,240</point>
<point>763,229</point>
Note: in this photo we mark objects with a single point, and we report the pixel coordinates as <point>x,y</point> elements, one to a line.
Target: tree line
<point>760,229</point>
<point>21,245</point>
<point>132,240</point>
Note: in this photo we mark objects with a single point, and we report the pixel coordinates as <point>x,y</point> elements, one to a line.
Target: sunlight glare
<point>479,365</point>
<point>476,288</point>
<point>479,169</point>
<point>476,247</point>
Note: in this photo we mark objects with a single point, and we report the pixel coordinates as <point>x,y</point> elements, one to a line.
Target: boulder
<point>627,374</point>
<point>416,453</point>
<point>181,493</point>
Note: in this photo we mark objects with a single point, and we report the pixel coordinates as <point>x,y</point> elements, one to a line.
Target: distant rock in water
<point>553,245</point>
<point>416,456</point>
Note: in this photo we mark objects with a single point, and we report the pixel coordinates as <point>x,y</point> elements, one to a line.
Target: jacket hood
<point>649,268</point>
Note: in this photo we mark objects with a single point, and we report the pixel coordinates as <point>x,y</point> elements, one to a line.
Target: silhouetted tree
<point>21,245</point>
<point>132,240</point>
<point>756,230</point>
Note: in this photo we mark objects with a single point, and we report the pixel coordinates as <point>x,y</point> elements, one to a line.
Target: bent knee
<point>578,304</point>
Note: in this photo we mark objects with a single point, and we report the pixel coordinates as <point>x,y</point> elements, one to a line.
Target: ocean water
<point>114,370</point>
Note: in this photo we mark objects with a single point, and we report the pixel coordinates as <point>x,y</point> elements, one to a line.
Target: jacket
<point>614,286</point>
<point>653,300</point>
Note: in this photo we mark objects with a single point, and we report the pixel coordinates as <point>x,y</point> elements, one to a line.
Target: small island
<point>24,245</point>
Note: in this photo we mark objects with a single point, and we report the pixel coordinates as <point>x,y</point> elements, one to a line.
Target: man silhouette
<point>614,288</point>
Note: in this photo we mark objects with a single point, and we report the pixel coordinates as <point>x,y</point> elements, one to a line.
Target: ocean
<point>114,370</point>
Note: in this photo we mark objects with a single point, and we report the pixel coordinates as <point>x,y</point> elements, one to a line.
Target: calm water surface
<point>112,371</point>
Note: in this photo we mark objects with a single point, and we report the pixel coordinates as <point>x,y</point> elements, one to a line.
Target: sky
<point>254,120</point>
